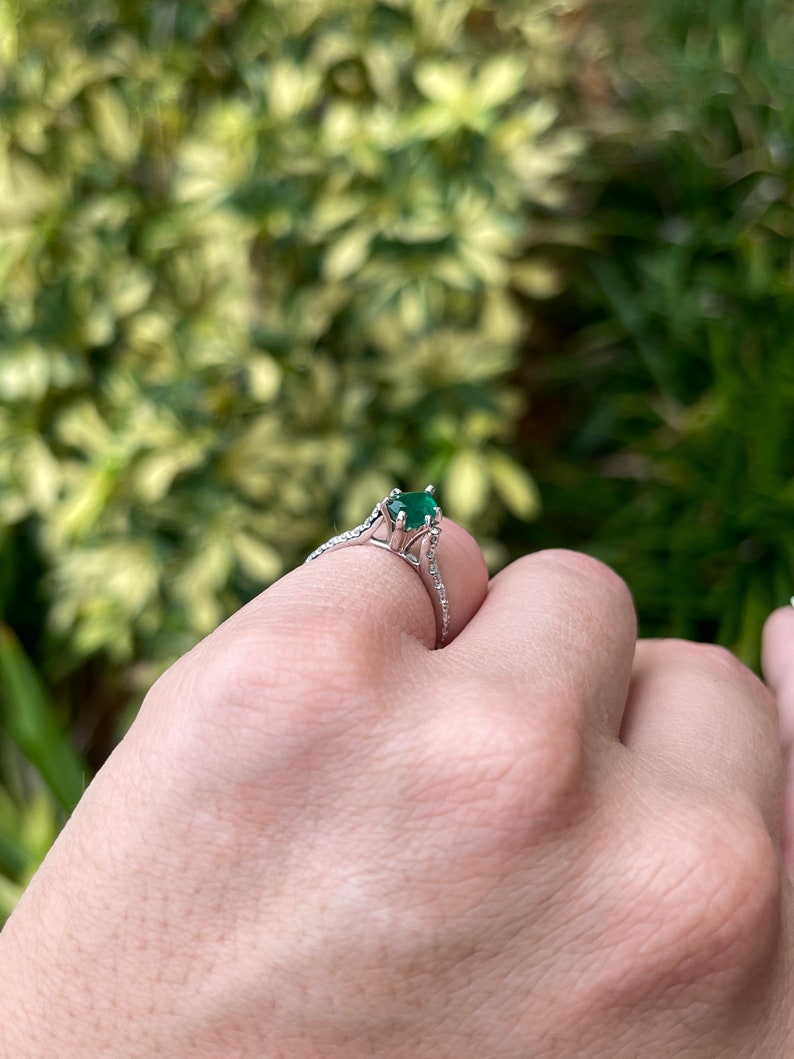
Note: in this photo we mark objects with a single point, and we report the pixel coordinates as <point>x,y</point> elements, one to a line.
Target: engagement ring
<point>409,525</point>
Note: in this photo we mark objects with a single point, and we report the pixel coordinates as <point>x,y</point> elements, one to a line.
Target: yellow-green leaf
<point>467,485</point>
<point>347,254</point>
<point>259,560</point>
<point>117,129</point>
<point>515,486</point>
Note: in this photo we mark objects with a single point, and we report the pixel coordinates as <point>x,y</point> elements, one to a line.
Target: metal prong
<point>397,536</point>
<point>430,489</point>
<point>395,492</point>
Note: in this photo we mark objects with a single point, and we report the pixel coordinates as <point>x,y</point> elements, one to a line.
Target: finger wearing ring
<point>409,526</point>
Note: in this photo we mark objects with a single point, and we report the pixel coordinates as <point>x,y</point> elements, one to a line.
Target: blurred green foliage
<point>255,252</point>
<point>260,262</point>
<point>673,454</point>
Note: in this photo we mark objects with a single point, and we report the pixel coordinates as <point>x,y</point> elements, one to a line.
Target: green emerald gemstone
<point>417,506</point>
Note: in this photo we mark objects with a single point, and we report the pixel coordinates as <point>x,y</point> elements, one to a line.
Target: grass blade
<point>30,720</point>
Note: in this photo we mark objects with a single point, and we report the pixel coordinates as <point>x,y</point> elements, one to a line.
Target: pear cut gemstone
<point>417,506</point>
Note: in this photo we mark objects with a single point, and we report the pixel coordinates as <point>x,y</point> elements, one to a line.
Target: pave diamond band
<point>409,525</point>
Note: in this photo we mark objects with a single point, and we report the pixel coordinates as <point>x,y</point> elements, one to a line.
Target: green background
<point>261,261</point>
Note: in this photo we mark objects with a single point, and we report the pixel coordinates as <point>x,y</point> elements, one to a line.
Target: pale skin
<point>322,838</point>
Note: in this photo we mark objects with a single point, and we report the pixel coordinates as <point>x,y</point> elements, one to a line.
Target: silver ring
<point>408,525</point>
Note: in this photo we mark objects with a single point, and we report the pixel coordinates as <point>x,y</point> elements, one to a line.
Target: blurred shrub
<point>259,264</point>
<point>670,451</point>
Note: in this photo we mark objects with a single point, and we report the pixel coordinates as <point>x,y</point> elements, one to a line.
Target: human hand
<point>323,839</point>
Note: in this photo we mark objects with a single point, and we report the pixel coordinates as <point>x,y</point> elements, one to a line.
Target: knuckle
<point>746,885</point>
<point>315,669</point>
<point>715,889</point>
<point>494,769</point>
<point>264,689</point>
<point>553,763</point>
